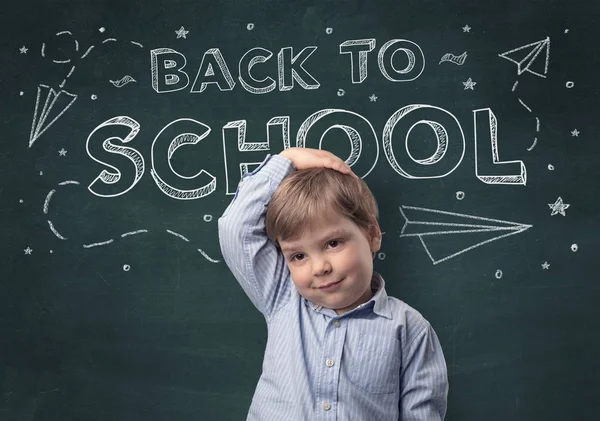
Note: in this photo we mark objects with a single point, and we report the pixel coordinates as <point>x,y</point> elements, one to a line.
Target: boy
<point>338,347</point>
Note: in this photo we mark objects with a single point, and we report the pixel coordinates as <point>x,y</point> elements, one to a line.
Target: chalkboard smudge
<point>451,58</point>
<point>207,257</point>
<point>123,81</point>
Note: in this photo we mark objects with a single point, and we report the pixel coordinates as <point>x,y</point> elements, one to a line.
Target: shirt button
<point>336,323</point>
<point>329,362</point>
<point>326,406</point>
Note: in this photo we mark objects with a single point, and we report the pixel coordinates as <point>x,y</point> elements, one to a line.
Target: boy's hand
<point>304,158</point>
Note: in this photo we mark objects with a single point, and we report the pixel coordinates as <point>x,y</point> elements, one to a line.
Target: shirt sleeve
<point>253,259</point>
<point>423,379</point>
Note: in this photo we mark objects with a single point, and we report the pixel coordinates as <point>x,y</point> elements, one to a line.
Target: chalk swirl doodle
<point>458,60</point>
<point>123,81</point>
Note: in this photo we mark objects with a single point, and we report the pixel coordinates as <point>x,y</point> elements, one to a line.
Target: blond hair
<point>306,195</point>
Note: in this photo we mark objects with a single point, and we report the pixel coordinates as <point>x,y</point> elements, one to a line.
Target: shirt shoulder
<point>410,323</point>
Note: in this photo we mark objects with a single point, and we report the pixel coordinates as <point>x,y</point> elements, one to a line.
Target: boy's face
<point>331,262</point>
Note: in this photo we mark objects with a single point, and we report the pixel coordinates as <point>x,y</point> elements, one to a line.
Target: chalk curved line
<point>47,201</point>
<point>62,61</point>
<point>43,52</point>
<point>63,32</point>
<point>103,243</point>
<point>207,257</point>
<point>54,231</point>
<point>87,52</point>
<point>109,40</point>
<point>64,183</point>
<point>532,146</point>
<point>137,43</point>
<point>537,124</point>
<point>76,45</point>
<point>133,233</point>
<point>515,86</point>
<point>523,104</point>
<point>178,235</point>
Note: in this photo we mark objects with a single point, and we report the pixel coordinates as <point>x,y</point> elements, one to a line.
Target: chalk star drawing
<point>373,98</point>
<point>28,250</point>
<point>469,84</point>
<point>545,265</point>
<point>181,33</point>
<point>558,207</point>
<point>23,50</point>
<point>525,64</point>
<point>575,133</point>
<point>466,28</point>
<point>432,224</point>
<point>62,152</point>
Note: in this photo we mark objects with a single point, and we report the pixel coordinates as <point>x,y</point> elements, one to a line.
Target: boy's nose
<point>321,267</point>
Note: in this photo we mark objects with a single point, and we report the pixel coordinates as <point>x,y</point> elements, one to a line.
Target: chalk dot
<point>41,172</point>
<point>498,274</point>
<point>574,247</point>
<point>126,268</point>
<point>250,26</point>
<point>20,200</point>
<point>460,195</point>
<point>207,218</point>
<point>381,256</point>
<point>329,31</point>
<point>551,167</point>
<point>570,84</point>
<point>21,93</point>
<point>94,97</point>
<point>102,29</point>
<point>566,31</point>
<point>51,251</point>
<point>341,92</point>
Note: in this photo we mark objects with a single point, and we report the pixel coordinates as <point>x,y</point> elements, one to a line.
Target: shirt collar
<point>379,301</point>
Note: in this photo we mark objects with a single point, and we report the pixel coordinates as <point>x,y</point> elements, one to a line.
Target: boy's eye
<point>297,257</point>
<point>334,243</point>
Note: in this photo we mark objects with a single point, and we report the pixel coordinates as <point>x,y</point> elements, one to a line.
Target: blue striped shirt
<point>381,361</point>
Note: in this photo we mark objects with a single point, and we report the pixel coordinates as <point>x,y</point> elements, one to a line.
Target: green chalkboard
<point>126,127</point>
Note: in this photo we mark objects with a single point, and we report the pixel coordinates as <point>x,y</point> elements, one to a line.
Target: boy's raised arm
<point>252,258</point>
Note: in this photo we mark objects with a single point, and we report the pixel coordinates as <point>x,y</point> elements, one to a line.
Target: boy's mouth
<point>331,285</point>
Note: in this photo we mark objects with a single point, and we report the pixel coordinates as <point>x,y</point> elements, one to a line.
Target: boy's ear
<point>375,236</point>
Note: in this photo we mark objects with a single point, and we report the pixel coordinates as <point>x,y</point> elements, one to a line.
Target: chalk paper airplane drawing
<point>526,57</point>
<point>434,226</point>
<point>55,104</point>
